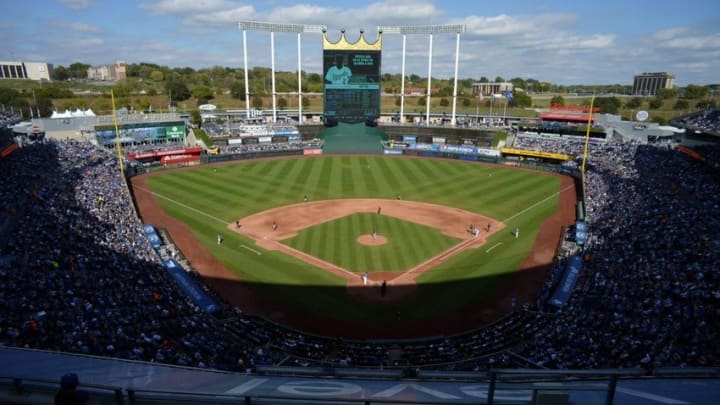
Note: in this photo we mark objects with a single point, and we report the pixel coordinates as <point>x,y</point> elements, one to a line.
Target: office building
<point>25,70</point>
<point>648,84</point>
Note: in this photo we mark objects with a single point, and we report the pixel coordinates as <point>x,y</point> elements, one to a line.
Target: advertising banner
<point>567,284</point>
<point>152,235</point>
<point>285,132</point>
<point>437,139</point>
<point>189,286</point>
<point>140,132</point>
<point>392,151</point>
<point>580,233</point>
<point>312,151</point>
<point>536,153</point>
<point>175,131</point>
<point>488,152</point>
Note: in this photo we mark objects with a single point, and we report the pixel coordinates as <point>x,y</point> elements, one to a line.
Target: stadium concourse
<point>78,275</point>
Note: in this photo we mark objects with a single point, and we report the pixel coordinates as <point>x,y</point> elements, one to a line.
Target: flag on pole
<point>508,95</point>
<point>480,96</point>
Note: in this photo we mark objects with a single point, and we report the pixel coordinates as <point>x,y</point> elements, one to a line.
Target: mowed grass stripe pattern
<point>232,191</point>
<point>408,245</point>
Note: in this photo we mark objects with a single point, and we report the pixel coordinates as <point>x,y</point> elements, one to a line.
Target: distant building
<point>25,70</point>
<point>648,84</point>
<point>420,91</point>
<point>487,89</point>
<point>115,71</point>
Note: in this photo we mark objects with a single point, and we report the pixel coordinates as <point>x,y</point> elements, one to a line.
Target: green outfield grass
<point>207,198</point>
<point>409,244</point>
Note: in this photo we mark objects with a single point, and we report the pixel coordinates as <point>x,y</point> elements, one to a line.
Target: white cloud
<point>85,28</point>
<point>670,33</point>
<point>186,6</point>
<point>89,42</point>
<point>223,17</point>
<point>504,25</point>
<point>550,46</point>
<point>694,42</point>
<point>692,67</point>
<point>77,4</point>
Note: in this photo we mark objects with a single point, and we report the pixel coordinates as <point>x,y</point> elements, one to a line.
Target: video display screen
<point>352,85</point>
<point>139,133</point>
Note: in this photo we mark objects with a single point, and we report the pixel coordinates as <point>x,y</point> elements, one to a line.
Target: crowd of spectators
<point>234,128</point>
<point>152,147</point>
<point>707,121</point>
<point>78,275</point>
<point>8,119</point>
<point>649,292</point>
<point>265,147</point>
<point>571,145</point>
<point>460,122</point>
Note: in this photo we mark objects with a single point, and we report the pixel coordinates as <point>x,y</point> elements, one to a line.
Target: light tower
<point>429,30</point>
<point>273,28</point>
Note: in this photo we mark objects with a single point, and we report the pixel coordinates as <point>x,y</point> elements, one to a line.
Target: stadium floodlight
<point>315,29</point>
<point>422,29</point>
<point>269,27</point>
<point>298,29</point>
<point>405,30</point>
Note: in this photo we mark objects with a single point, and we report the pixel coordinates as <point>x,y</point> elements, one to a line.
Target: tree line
<point>180,84</point>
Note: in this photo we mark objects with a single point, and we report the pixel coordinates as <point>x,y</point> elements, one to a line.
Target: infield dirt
<point>523,286</point>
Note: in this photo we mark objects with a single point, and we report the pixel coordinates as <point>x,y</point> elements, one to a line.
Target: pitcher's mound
<point>369,240</point>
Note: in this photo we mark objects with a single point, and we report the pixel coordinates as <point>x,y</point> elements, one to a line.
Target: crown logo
<point>344,45</point>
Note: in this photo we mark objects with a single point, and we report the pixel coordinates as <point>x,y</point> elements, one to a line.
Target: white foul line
<point>251,249</point>
<point>198,211</point>
<point>537,203</point>
<point>494,246</point>
<point>183,205</point>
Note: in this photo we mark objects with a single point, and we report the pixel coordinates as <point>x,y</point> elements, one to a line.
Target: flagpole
<point>587,136</point>
<point>117,136</point>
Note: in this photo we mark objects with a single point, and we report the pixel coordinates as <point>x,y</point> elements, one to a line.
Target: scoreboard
<point>352,85</point>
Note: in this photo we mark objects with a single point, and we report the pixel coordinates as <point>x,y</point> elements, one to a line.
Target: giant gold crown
<point>344,45</point>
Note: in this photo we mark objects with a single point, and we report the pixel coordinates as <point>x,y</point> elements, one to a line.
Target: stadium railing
<point>25,390</point>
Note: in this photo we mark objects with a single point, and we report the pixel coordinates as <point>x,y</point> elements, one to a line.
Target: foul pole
<point>117,136</point>
<point>587,136</point>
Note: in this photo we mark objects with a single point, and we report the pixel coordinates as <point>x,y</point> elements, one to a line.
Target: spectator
<point>68,393</point>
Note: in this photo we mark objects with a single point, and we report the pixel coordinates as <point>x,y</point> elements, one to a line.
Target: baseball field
<point>297,234</point>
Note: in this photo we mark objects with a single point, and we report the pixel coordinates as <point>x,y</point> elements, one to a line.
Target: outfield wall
<point>532,165</point>
<point>483,136</point>
<point>453,155</point>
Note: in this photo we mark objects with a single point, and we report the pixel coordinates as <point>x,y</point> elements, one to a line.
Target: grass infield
<point>409,244</point>
<point>208,198</point>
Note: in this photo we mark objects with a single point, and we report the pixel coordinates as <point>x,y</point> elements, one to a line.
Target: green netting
<point>352,138</point>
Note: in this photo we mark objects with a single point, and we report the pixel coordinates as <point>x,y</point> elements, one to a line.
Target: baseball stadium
<point>343,257</point>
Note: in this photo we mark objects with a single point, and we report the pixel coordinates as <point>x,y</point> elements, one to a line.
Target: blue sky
<point>564,42</point>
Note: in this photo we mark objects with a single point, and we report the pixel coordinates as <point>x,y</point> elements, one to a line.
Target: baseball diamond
<point>304,216</point>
